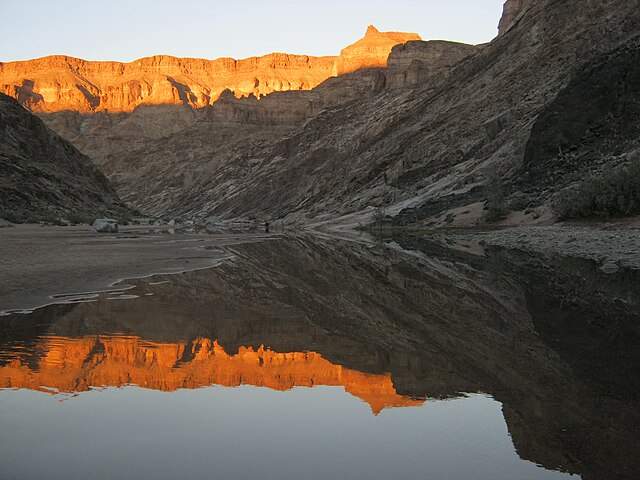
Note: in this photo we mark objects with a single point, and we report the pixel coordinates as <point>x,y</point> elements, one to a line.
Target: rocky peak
<point>510,12</point>
<point>371,30</point>
<point>371,51</point>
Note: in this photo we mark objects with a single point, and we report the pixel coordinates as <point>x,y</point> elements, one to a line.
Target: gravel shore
<point>613,247</point>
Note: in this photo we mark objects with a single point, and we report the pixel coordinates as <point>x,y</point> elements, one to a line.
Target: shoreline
<point>41,266</point>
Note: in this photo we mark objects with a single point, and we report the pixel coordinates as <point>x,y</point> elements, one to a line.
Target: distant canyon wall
<point>120,114</point>
<point>61,83</point>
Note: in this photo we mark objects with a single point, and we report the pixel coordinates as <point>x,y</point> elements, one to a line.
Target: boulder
<point>106,225</point>
<point>4,223</point>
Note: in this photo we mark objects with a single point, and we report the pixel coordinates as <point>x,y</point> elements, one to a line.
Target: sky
<point>124,30</point>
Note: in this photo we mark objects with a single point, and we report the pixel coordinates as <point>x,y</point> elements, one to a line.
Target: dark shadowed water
<point>308,359</point>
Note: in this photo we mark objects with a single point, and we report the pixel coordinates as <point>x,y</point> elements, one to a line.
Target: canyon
<point>414,129</point>
<point>138,116</point>
<point>248,191</point>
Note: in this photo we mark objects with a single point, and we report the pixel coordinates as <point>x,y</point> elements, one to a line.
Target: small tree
<point>613,193</point>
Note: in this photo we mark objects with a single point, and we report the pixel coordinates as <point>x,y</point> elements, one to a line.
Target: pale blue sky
<point>128,29</point>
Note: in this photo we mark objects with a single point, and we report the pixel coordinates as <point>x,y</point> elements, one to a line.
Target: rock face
<point>209,109</point>
<point>372,51</point>
<point>60,83</point>
<point>425,152</point>
<point>415,63</point>
<point>42,176</point>
<point>421,139</point>
<point>510,12</point>
<point>591,125</point>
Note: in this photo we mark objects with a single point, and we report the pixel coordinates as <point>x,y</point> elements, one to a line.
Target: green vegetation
<point>613,194</point>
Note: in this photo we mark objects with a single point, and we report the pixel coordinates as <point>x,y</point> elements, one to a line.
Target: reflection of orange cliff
<point>74,365</point>
<point>61,83</point>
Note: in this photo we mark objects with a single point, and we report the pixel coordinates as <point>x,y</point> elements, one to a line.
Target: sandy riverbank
<point>37,263</point>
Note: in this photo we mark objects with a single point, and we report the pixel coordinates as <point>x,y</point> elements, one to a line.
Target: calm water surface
<point>304,359</point>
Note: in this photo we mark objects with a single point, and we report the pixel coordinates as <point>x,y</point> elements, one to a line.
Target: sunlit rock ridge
<point>60,83</point>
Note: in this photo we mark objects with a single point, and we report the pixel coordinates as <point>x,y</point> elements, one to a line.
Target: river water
<point>303,358</point>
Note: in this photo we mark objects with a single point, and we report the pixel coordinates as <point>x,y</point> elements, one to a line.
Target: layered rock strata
<point>61,83</point>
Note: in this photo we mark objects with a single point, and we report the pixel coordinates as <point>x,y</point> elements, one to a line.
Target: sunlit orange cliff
<point>59,83</point>
<point>76,364</point>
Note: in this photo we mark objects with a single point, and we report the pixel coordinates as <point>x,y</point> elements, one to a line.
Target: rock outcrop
<point>44,177</point>
<point>61,83</point>
<point>510,13</point>
<point>110,110</point>
<point>372,51</point>
<point>414,63</point>
<point>421,139</point>
<point>426,153</point>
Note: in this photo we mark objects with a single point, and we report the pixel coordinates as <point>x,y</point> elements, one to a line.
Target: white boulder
<point>105,225</point>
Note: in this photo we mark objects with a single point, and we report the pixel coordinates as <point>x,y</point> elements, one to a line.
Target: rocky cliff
<point>426,153</point>
<point>414,64</point>
<point>510,13</point>
<point>124,115</point>
<point>422,140</point>
<point>371,51</point>
<point>60,83</point>
<point>44,177</point>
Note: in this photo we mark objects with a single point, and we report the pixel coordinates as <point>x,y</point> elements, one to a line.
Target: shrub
<point>495,197</point>
<point>613,194</point>
<point>12,217</point>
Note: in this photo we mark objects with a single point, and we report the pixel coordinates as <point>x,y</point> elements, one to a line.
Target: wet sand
<point>38,263</point>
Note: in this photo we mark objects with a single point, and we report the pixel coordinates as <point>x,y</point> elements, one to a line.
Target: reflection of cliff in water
<point>552,339</point>
<point>70,365</point>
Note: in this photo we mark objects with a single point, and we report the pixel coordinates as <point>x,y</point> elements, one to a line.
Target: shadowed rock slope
<point>426,152</point>
<point>422,140</point>
<point>44,177</point>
